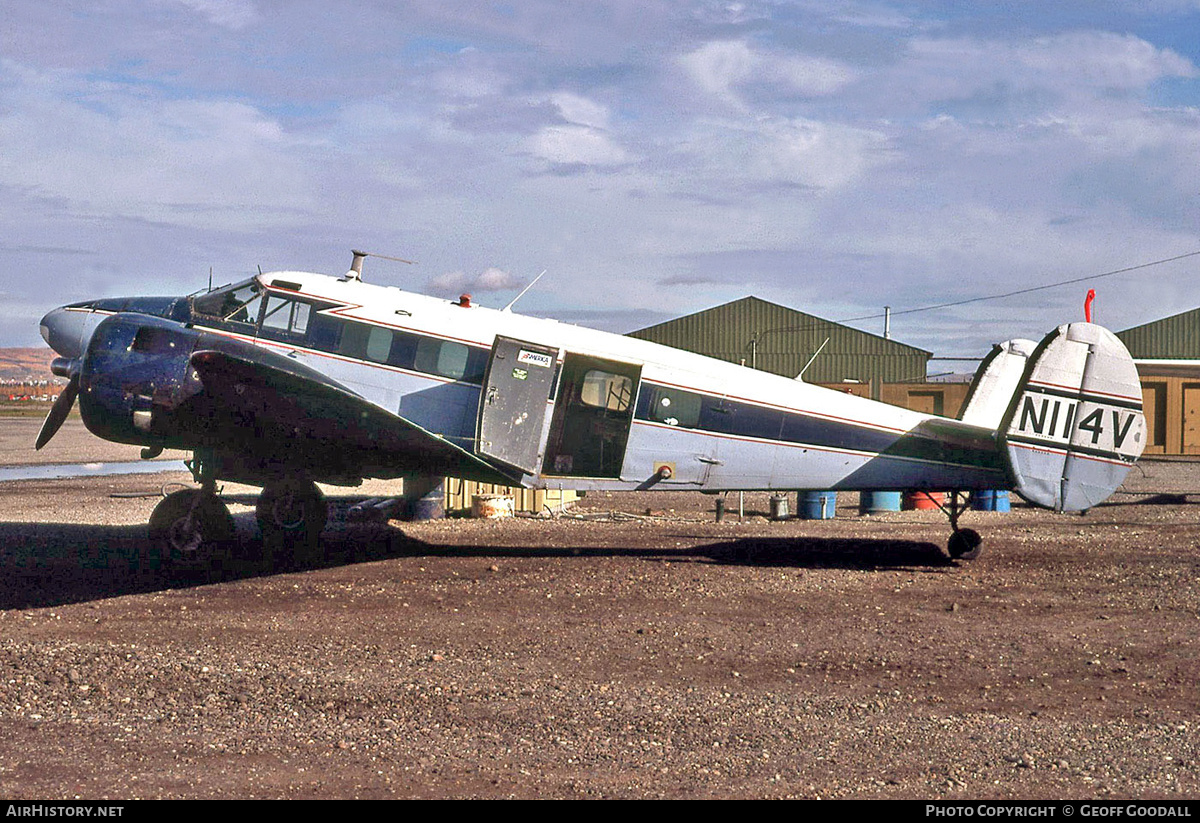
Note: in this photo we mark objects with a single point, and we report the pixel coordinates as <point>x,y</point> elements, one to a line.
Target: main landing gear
<point>291,516</point>
<point>964,544</point>
<point>192,528</point>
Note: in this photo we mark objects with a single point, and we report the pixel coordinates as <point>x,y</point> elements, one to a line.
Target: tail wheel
<point>965,544</point>
<point>292,513</point>
<point>189,528</point>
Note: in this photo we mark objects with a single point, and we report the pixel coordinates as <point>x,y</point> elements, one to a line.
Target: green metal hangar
<point>778,339</point>
<point>1167,353</point>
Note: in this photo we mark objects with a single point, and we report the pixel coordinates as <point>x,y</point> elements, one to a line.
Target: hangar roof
<point>1172,338</point>
<point>779,339</point>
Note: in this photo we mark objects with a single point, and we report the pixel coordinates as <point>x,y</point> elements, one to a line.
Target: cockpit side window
<point>285,318</point>
<point>235,305</point>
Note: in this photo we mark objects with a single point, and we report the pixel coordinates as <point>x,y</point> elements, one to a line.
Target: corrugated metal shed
<point>781,340</point>
<point>1171,338</point>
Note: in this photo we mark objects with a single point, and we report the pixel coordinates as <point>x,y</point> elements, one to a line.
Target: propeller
<point>60,410</point>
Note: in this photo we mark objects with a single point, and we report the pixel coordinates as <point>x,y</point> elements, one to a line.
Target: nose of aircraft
<point>67,331</point>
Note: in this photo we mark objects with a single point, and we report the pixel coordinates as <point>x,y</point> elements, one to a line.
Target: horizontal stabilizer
<point>1075,426</point>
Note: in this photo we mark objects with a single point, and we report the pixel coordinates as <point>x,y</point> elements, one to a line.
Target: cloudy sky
<point>657,158</point>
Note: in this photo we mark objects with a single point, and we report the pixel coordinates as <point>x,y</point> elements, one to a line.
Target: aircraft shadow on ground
<point>54,564</point>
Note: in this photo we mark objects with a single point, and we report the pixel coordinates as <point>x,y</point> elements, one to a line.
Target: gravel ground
<point>635,648</point>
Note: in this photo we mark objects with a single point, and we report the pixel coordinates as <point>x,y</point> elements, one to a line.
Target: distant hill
<point>27,365</point>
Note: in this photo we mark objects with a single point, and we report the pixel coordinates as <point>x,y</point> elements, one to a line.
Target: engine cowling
<point>134,376</point>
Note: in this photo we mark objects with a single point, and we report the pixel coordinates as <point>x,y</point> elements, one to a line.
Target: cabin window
<point>605,390</point>
<point>675,407</point>
<point>477,363</point>
<point>354,340</point>
<point>444,357</point>
<point>743,419</point>
<point>404,350</point>
<point>379,344</point>
<point>325,332</point>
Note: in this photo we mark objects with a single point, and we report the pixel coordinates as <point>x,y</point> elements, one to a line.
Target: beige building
<point>1167,353</point>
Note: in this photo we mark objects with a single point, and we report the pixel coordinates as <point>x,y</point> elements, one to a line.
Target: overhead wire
<point>1125,270</point>
<point>1043,287</point>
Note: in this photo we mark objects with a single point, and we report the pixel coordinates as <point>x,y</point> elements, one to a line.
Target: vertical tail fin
<point>995,383</point>
<point>1074,425</point>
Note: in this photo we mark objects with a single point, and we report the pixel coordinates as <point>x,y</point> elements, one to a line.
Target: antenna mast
<point>356,266</point>
<point>522,294</point>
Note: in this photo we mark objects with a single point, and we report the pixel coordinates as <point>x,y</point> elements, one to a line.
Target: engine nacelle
<point>134,375</point>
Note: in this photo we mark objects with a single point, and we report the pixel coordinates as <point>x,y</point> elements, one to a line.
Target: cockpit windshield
<point>233,304</point>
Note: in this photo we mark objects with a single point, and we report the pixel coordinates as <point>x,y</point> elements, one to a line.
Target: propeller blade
<point>58,412</point>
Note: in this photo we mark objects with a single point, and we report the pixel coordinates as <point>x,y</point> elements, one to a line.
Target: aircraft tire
<point>189,528</point>
<point>965,544</point>
<point>291,515</point>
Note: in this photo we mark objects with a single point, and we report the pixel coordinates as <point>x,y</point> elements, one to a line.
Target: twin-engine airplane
<point>292,378</point>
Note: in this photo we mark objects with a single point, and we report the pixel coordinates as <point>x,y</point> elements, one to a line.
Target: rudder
<point>1075,425</point>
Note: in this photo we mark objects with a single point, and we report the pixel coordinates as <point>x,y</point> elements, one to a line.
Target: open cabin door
<point>592,415</point>
<point>512,406</point>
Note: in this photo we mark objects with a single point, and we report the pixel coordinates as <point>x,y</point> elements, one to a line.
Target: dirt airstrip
<point>635,648</point>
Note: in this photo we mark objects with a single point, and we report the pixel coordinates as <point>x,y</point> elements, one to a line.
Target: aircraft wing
<point>286,412</point>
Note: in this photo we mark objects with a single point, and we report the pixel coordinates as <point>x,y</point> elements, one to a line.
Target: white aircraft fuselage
<point>294,377</point>
<point>714,425</point>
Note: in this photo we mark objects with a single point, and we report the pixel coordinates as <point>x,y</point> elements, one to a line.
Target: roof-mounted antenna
<point>800,376</point>
<point>355,272</point>
<point>522,294</point>
<point>356,266</point>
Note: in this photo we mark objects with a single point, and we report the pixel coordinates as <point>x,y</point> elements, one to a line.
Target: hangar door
<point>1191,418</point>
<point>512,406</point>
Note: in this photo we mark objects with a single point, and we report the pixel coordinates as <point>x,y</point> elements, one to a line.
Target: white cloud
<point>101,148</point>
<point>580,110</point>
<point>723,68</point>
<point>1075,66</point>
<point>585,140</point>
<point>902,149</point>
<point>232,14</point>
<point>790,151</point>
<point>570,145</point>
<point>488,280</point>
<point>1101,60</point>
<point>718,67</point>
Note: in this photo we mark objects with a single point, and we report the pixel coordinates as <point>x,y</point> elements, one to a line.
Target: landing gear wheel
<point>189,528</point>
<point>965,544</point>
<point>292,515</point>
